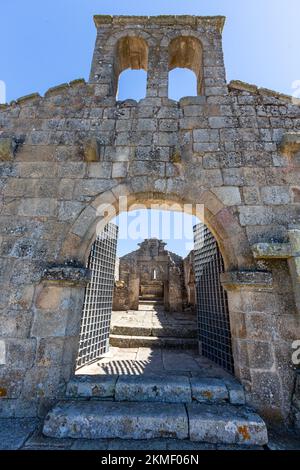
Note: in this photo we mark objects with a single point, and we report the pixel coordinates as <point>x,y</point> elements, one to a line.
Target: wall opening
<point>185,52</point>
<point>152,288</point>
<point>131,59</point>
<point>182,82</point>
<point>132,85</point>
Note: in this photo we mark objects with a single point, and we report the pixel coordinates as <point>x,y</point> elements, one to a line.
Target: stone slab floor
<point>25,434</point>
<point>137,361</point>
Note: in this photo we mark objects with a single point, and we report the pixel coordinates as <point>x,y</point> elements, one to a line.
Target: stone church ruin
<point>70,156</point>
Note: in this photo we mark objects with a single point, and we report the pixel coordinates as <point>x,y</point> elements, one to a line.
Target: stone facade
<point>235,149</point>
<point>151,272</point>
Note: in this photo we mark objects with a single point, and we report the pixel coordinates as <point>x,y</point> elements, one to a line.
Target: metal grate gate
<point>212,302</point>
<point>97,309</point>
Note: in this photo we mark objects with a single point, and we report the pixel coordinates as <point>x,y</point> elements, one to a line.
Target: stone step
<point>222,424</point>
<point>156,388</point>
<point>149,305</point>
<point>173,331</point>
<point>103,420</point>
<point>226,424</point>
<point>124,341</point>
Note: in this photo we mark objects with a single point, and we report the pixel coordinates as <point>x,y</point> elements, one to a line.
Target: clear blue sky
<point>47,42</point>
<point>175,228</point>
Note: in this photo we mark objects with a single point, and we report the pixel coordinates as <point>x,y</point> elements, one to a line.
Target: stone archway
<point>217,217</point>
<point>208,208</point>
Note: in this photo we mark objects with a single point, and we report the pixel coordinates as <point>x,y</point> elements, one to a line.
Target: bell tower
<point>157,45</point>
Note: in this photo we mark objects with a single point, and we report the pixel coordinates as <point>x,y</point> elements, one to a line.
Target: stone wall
<point>233,149</point>
<point>296,403</point>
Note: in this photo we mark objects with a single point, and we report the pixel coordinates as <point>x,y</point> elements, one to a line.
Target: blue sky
<point>175,228</point>
<point>45,43</point>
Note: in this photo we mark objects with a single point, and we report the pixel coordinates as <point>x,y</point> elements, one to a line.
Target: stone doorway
<point>153,374</point>
<point>153,311</point>
<point>152,290</point>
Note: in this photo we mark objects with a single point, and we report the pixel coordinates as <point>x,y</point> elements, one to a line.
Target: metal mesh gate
<point>212,303</point>
<point>97,309</point>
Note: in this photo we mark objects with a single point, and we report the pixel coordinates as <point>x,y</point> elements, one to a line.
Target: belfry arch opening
<point>145,301</point>
<point>186,54</point>
<point>182,82</point>
<point>130,68</point>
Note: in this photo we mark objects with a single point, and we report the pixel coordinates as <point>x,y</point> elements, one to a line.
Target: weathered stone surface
<point>67,275</point>
<point>242,86</point>
<point>92,150</point>
<point>228,195</point>
<point>247,279</point>
<point>94,420</point>
<point>2,353</point>
<point>91,386</point>
<point>39,442</point>
<point>7,149</point>
<point>150,389</point>
<point>34,207</point>
<point>14,432</point>
<point>275,195</point>
<point>283,440</point>
<point>11,380</point>
<point>119,170</point>
<point>290,143</point>
<point>236,392</point>
<point>272,250</point>
<point>123,341</point>
<point>226,424</point>
<point>208,390</point>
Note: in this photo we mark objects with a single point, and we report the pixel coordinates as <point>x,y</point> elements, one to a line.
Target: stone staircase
<point>164,331</point>
<point>136,407</point>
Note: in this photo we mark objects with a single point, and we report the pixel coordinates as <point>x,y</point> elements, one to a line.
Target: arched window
<point>154,275</point>
<point>130,68</point>
<point>182,82</point>
<point>185,52</point>
<point>132,84</point>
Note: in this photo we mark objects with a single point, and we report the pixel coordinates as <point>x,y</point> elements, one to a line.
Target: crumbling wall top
<point>167,20</point>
